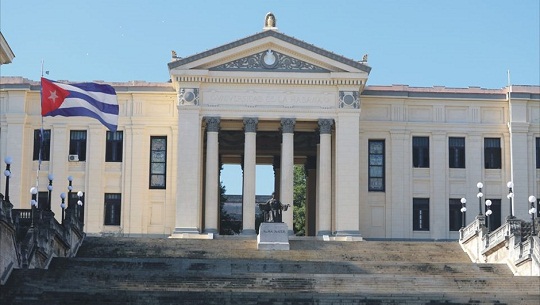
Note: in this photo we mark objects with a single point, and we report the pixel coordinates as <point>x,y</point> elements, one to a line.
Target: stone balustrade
<point>511,244</point>
<point>30,238</point>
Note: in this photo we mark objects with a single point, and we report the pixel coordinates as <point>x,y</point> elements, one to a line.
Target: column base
<point>248,232</point>
<point>190,233</point>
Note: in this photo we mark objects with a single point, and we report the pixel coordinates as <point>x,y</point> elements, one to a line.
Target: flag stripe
<point>102,101</point>
<point>110,123</point>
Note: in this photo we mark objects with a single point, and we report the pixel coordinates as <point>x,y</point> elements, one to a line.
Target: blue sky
<point>458,43</point>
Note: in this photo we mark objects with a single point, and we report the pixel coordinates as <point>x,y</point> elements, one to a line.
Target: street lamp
<point>70,188</point>
<point>33,203</point>
<point>463,211</point>
<point>488,213</point>
<point>510,196</point>
<point>50,188</point>
<point>63,205</point>
<point>79,203</point>
<point>479,185</point>
<point>532,211</point>
<point>7,173</point>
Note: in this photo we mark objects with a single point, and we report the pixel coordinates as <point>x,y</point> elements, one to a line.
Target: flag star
<point>53,96</point>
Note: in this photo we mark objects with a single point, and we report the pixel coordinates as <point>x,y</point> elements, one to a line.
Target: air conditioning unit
<point>73,158</point>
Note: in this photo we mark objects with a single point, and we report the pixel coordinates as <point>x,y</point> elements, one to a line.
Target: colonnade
<point>323,167</point>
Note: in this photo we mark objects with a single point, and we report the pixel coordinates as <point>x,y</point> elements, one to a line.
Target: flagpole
<point>509,93</point>
<point>40,135</point>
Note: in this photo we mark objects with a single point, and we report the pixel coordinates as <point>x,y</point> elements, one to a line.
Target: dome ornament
<point>270,22</point>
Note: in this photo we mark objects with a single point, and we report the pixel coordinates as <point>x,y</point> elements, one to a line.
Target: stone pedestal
<point>273,236</point>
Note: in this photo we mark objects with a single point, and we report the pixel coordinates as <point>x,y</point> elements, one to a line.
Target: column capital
<point>287,125</point>
<point>325,126</point>
<point>212,124</point>
<point>250,124</point>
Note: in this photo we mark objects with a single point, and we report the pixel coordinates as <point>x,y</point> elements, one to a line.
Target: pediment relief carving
<point>269,60</point>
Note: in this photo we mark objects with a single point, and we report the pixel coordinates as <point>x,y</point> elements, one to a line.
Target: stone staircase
<point>232,271</point>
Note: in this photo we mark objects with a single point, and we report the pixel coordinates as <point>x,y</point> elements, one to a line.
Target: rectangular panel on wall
<point>377,216</point>
<point>492,115</point>
<point>156,214</point>
<point>456,114</point>
<point>375,113</point>
<point>420,114</point>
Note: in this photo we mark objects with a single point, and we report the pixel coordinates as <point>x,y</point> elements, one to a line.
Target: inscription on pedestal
<point>273,236</point>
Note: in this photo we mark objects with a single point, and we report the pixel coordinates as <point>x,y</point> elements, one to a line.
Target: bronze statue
<point>273,209</point>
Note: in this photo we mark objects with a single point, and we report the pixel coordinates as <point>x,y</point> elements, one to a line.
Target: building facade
<point>381,161</point>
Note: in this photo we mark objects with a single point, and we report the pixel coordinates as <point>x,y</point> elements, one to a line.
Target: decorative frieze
<point>188,96</point>
<point>349,100</point>
<point>269,60</point>
<point>287,125</point>
<point>250,124</point>
<point>212,124</point>
<point>325,126</point>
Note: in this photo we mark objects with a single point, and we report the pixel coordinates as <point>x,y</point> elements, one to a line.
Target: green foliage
<point>228,226</point>
<point>299,200</point>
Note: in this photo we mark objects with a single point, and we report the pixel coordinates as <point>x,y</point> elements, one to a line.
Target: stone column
<point>438,203</point>
<point>324,192</point>
<point>188,196</point>
<point>211,208</point>
<point>347,175</point>
<point>277,173</point>
<point>287,170</point>
<point>250,162</point>
<point>311,195</point>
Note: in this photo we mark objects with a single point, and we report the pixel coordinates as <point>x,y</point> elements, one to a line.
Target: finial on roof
<point>270,22</point>
<point>364,59</point>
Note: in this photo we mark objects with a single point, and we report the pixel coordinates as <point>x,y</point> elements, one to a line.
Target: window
<point>492,153</point>
<point>456,152</point>
<point>42,142</point>
<point>112,209</point>
<point>376,165</point>
<point>77,144</point>
<point>421,152</point>
<point>495,218</point>
<point>158,162</point>
<point>537,152</point>
<point>455,214</point>
<point>43,201</point>
<point>420,214</point>
<point>113,149</point>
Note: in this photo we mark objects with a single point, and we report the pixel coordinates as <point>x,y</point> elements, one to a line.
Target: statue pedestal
<point>273,236</point>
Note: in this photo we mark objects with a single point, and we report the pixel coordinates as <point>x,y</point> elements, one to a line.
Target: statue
<point>273,209</point>
<point>269,21</point>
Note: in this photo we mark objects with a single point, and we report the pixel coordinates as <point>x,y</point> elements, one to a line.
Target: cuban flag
<point>84,99</point>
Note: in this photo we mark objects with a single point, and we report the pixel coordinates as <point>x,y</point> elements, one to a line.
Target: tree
<point>228,225</point>
<point>299,201</point>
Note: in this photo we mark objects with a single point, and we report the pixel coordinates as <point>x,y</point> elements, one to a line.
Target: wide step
<point>154,271</point>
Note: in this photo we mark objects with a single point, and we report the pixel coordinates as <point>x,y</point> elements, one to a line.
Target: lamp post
<point>33,203</point>
<point>50,188</point>
<point>479,185</point>
<point>63,205</point>
<point>510,197</point>
<point>488,213</point>
<point>70,188</point>
<point>79,204</point>
<point>463,211</point>
<point>532,211</point>
<point>7,173</point>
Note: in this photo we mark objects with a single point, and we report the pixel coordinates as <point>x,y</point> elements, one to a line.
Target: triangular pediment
<point>269,60</point>
<point>270,51</point>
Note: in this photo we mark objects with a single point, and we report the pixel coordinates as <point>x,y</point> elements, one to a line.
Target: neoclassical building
<point>381,161</point>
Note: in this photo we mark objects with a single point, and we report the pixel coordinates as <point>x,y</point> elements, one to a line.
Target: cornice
<point>278,35</point>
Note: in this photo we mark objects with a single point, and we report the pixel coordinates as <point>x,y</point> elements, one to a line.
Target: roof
<point>271,33</point>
